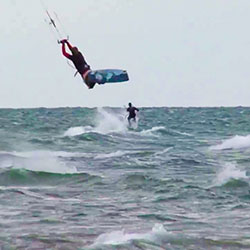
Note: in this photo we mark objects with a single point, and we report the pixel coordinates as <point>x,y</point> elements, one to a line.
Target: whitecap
<point>74,131</point>
<point>163,151</point>
<point>41,161</point>
<point>111,155</point>
<point>229,171</point>
<point>236,142</point>
<point>151,131</point>
<point>108,122</point>
<point>121,237</point>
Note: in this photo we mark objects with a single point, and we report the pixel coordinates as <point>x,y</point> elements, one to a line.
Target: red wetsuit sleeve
<point>64,51</point>
<point>69,45</point>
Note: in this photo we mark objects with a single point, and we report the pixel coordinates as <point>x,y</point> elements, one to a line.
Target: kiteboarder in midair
<point>78,60</point>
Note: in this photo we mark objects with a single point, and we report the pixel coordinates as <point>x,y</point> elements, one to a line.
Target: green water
<point>79,178</point>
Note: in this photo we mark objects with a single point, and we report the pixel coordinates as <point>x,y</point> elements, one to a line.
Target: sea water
<point>80,178</point>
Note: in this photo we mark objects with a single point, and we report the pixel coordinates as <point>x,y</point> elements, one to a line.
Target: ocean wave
<point>24,177</point>
<point>159,238</point>
<point>74,131</point>
<point>111,155</point>
<point>40,161</point>
<point>29,191</point>
<point>236,142</point>
<point>151,132</point>
<point>230,175</point>
<point>106,123</point>
<point>236,183</point>
<point>25,154</point>
<point>142,181</point>
<point>121,237</point>
<point>164,151</point>
<point>133,154</point>
<point>40,141</point>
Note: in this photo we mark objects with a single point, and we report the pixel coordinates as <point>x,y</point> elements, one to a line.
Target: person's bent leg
<point>129,121</point>
<point>88,79</point>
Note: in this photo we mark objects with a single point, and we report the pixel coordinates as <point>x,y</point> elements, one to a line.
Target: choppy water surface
<point>79,178</point>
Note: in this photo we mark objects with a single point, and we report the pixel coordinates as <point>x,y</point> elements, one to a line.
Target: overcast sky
<point>177,52</point>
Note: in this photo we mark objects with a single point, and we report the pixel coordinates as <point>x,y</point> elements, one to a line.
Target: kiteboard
<point>108,76</point>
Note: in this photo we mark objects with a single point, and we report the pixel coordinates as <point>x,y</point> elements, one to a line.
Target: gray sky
<point>177,52</point>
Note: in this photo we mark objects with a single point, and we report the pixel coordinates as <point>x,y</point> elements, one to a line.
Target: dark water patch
<point>235,183</point>
<point>141,153</point>
<point>96,137</point>
<point>44,142</point>
<point>141,181</point>
<point>186,161</point>
<point>225,244</point>
<point>50,221</point>
<point>156,217</point>
<point>246,196</point>
<point>51,241</point>
<point>80,214</point>
<point>165,190</point>
<point>190,186</point>
<point>163,199</point>
<point>239,207</point>
<point>136,181</point>
<point>145,245</point>
<point>168,185</point>
<point>47,129</point>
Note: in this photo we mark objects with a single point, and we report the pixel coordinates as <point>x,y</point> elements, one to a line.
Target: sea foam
<point>106,122</point>
<point>121,237</point>
<point>228,172</point>
<point>236,142</point>
<point>42,161</point>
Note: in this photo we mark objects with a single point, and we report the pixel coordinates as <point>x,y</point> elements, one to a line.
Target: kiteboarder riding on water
<point>78,60</point>
<point>132,113</point>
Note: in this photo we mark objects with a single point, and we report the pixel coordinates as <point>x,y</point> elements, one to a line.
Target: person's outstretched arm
<point>68,44</point>
<point>64,52</point>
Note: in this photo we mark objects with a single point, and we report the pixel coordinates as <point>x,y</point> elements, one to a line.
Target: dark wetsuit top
<point>78,60</point>
<point>131,111</point>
